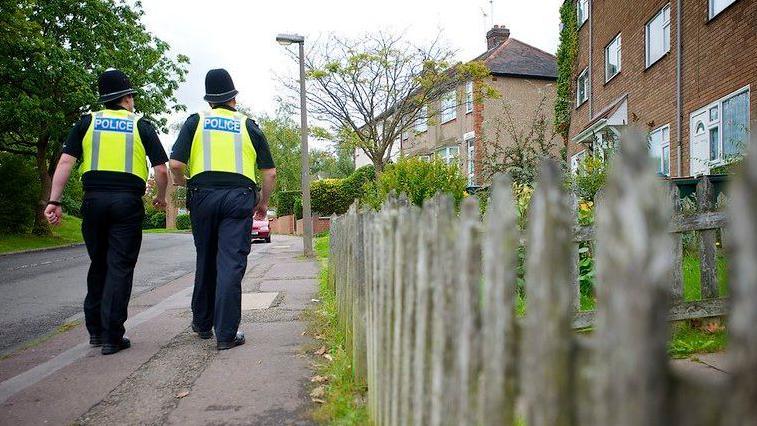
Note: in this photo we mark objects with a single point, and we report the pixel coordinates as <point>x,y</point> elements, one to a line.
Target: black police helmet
<point>219,87</point>
<point>113,84</point>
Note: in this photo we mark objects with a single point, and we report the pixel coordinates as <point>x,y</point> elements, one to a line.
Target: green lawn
<point>69,232</point>
<point>166,231</point>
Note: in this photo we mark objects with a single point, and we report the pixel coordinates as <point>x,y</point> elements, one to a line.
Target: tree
<point>517,148</point>
<point>51,53</point>
<point>374,88</point>
<point>566,66</point>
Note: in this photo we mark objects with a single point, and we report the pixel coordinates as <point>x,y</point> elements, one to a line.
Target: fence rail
<point>429,300</point>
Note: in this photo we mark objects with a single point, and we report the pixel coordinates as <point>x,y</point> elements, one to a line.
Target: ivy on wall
<point>566,63</point>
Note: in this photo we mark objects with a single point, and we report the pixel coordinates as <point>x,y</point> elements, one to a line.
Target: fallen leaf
<point>315,300</point>
<point>318,392</point>
<point>319,379</point>
<point>260,362</point>
<point>712,327</point>
<point>182,394</point>
<point>318,401</point>
<point>321,351</point>
<point>318,337</point>
<point>328,357</point>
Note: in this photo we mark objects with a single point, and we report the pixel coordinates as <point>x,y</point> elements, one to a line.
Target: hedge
<point>329,196</point>
<point>19,192</point>
<point>285,201</point>
<point>183,222</point>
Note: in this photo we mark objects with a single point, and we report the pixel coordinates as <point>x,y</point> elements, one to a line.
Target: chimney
<point>496,36</point>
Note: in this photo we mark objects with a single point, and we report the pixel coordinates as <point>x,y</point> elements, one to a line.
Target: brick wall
<point>718,58</point>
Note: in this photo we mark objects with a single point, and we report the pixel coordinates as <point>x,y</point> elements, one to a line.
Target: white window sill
<point>649,65</point>
<point>612,76</point>
<point>449,120</point>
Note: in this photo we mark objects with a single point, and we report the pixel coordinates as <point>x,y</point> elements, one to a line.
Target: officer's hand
<point>159,203</point>
<point>53,214</point>
<point>261,211</point>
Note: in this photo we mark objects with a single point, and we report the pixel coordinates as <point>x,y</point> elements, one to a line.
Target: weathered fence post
<point>707,239</point>
<point>421,357</point>
<point>633,264</point>
<point>409,217</point>
<point>359,345</point>
<point>498,327</point>
<point>742,349</point>
<point>547,368</point>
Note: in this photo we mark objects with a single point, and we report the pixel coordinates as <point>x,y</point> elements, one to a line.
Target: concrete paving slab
<point>298,294</point>
<point>263,382</point>
<point>254,301</point>
<point>293,270</point>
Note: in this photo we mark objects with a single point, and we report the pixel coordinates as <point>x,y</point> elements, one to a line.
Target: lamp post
<point>307,232</point>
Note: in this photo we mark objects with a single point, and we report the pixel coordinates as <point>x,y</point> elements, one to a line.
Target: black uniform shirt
<point>115,181</point>
<point>183,147</point>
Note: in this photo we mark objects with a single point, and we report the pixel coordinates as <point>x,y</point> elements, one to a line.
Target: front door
<point>700,147</point>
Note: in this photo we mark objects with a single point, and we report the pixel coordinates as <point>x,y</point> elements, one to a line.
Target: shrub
<point>285,202</point>
<point>298,208</point>
<point>329,196</point>
<point>418,179</point>
<point>590,177</point>
<point>73,194</point>
<point>183,222</point>
<point>19,189</point>
<point>154,219</point>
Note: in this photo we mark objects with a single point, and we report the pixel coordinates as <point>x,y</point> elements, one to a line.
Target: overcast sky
<point>239,35</point>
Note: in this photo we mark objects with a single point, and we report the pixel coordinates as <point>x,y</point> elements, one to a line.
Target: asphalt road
<point>40,291</point>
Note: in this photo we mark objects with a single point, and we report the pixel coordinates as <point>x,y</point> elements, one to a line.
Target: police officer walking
<point>219,150</point>
<point>113,144</point>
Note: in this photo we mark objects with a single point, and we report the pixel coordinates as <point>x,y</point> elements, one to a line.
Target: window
<point>582,87</point>
<point>426,158</point>
<point>582,11</point>
<point>727,127</point>
<point>469,97</point>
<point>421,123</point>
<point>717,6</point>
<point>470,142</point>
<point>659,149</point>
<point>612,59</point>
<point>658,36</point>
<point>448,154</point>
<point>575,160</point>
<point>449,106</point>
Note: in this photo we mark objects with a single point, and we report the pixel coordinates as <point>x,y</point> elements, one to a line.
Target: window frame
<point>469,97</point>
<point>470,145</point>
<point>447,155</point>
<point>663,144</point>
<point>448,113</point>
<point>575,160</point>
<point>421,123</point>
<point>620,57</point>
<point>583,74</point>
<point>665,25</point>
<point>711,8</point>
<point>718,123</point>
<point>581,18</point>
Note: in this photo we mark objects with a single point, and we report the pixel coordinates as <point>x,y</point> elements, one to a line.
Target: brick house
<point>682,70</point>
<point>524,77</point>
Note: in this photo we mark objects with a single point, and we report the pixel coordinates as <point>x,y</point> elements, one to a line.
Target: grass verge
<point>688,340</point>
<point>340,399</point>
<point>69,232</point>
<point>166,231</point>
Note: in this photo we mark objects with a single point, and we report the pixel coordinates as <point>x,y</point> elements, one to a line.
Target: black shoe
<point>110,349</point>
<point>95,341</point>
<point>238,341</point>
<point>202,334</point>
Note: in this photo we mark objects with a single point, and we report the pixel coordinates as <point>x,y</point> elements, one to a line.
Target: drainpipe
<point>679,93</point>
<point>591,54</point>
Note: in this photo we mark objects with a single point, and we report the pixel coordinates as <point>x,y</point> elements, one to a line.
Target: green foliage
<point>154,219</point>
<point>73,194</point>
<point>18,194</point>
<point>183,222</point>
<point>331,196</point>
<point>284,201</point>
<point>283,136</point>
<point>590,177</point>
<point>51,53</point>
<point>687,340</point>
<point>69,232</point>
<point>567,52</point>
<point>418,179</point>
<point>298,208</point>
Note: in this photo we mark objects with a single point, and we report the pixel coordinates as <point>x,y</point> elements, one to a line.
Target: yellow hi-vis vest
<point>222,144</point>
<point>112,143</point>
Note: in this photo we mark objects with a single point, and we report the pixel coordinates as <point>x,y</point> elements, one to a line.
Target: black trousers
<point>221,225</point>
<point>112,231</point>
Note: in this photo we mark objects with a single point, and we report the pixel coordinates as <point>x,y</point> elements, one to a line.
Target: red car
<point>260,230</point>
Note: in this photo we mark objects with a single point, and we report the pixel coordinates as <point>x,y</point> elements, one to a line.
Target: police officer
<point>113,145</point>
<point>219,149</point>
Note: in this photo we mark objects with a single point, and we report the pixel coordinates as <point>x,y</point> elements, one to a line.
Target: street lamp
<point>307,232</point>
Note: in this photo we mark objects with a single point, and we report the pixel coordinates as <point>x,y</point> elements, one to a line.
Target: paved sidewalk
<point>169,376</point>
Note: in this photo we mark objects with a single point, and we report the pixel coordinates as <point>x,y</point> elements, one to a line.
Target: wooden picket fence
<point>428,300</point>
